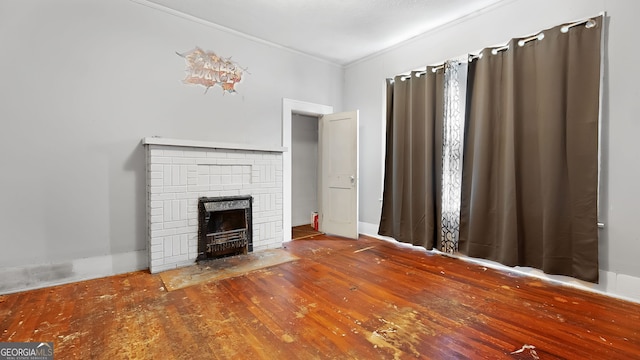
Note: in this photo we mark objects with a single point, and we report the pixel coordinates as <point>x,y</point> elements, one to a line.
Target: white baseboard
<point>31,277</point>
<point>612,284</point>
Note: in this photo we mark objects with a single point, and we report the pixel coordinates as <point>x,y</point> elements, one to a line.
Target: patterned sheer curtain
<point>455,82</point>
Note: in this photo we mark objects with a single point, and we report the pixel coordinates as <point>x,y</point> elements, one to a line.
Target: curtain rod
<point>495,51</point>
<point>422,72</point>
<point>473,57</point>
<point>588,22</point>
<point>540,36</point>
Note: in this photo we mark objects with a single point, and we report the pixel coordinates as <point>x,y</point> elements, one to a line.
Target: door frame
<point>290,107</point>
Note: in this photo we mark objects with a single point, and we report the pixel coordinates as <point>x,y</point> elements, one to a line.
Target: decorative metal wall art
<point>208,69</point>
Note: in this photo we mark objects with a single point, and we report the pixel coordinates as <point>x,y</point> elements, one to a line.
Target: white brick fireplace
<point>181,171</point>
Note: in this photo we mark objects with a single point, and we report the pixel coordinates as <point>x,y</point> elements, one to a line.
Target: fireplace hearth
<point>224,226</point>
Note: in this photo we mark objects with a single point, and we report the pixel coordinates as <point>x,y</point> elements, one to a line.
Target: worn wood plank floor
<point>344,299</point>
<point>303,232</point>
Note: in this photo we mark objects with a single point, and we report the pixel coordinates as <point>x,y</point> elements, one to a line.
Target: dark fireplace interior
<point>224,226</point>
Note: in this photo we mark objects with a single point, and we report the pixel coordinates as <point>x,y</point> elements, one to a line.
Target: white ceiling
<point>339,31</point>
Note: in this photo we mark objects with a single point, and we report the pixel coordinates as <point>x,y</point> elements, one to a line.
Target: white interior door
<point>338,186</point>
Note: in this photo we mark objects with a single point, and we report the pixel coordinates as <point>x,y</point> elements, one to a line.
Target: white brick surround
<point>181,171</point>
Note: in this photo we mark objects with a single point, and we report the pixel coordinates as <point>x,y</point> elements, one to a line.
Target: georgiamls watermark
<point>26,351</point>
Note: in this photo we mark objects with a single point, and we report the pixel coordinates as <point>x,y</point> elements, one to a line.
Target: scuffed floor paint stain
<point>400,332</point>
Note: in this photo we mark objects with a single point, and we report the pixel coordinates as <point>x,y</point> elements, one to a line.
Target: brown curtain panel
<point>413,159</point>
<point>530,173</point>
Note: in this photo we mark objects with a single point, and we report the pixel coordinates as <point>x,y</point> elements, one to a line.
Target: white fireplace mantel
<point>210,144</point>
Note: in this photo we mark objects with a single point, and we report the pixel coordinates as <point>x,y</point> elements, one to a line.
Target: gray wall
<point>304,168</point>
<point>83,82</point>
<point>620,244</point>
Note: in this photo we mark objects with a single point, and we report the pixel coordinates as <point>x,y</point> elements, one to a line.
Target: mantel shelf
<point>210,144</point>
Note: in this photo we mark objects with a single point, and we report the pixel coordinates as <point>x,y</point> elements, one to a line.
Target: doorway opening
<point>304,176</point>
<point>293,109</point>
<point>337,173</point>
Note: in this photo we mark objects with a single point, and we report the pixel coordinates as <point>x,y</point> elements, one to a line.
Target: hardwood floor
<point>343,299</point>
<point>303,232</point>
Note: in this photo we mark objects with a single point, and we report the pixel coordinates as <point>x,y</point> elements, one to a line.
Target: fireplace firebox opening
<point>224,226</point>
